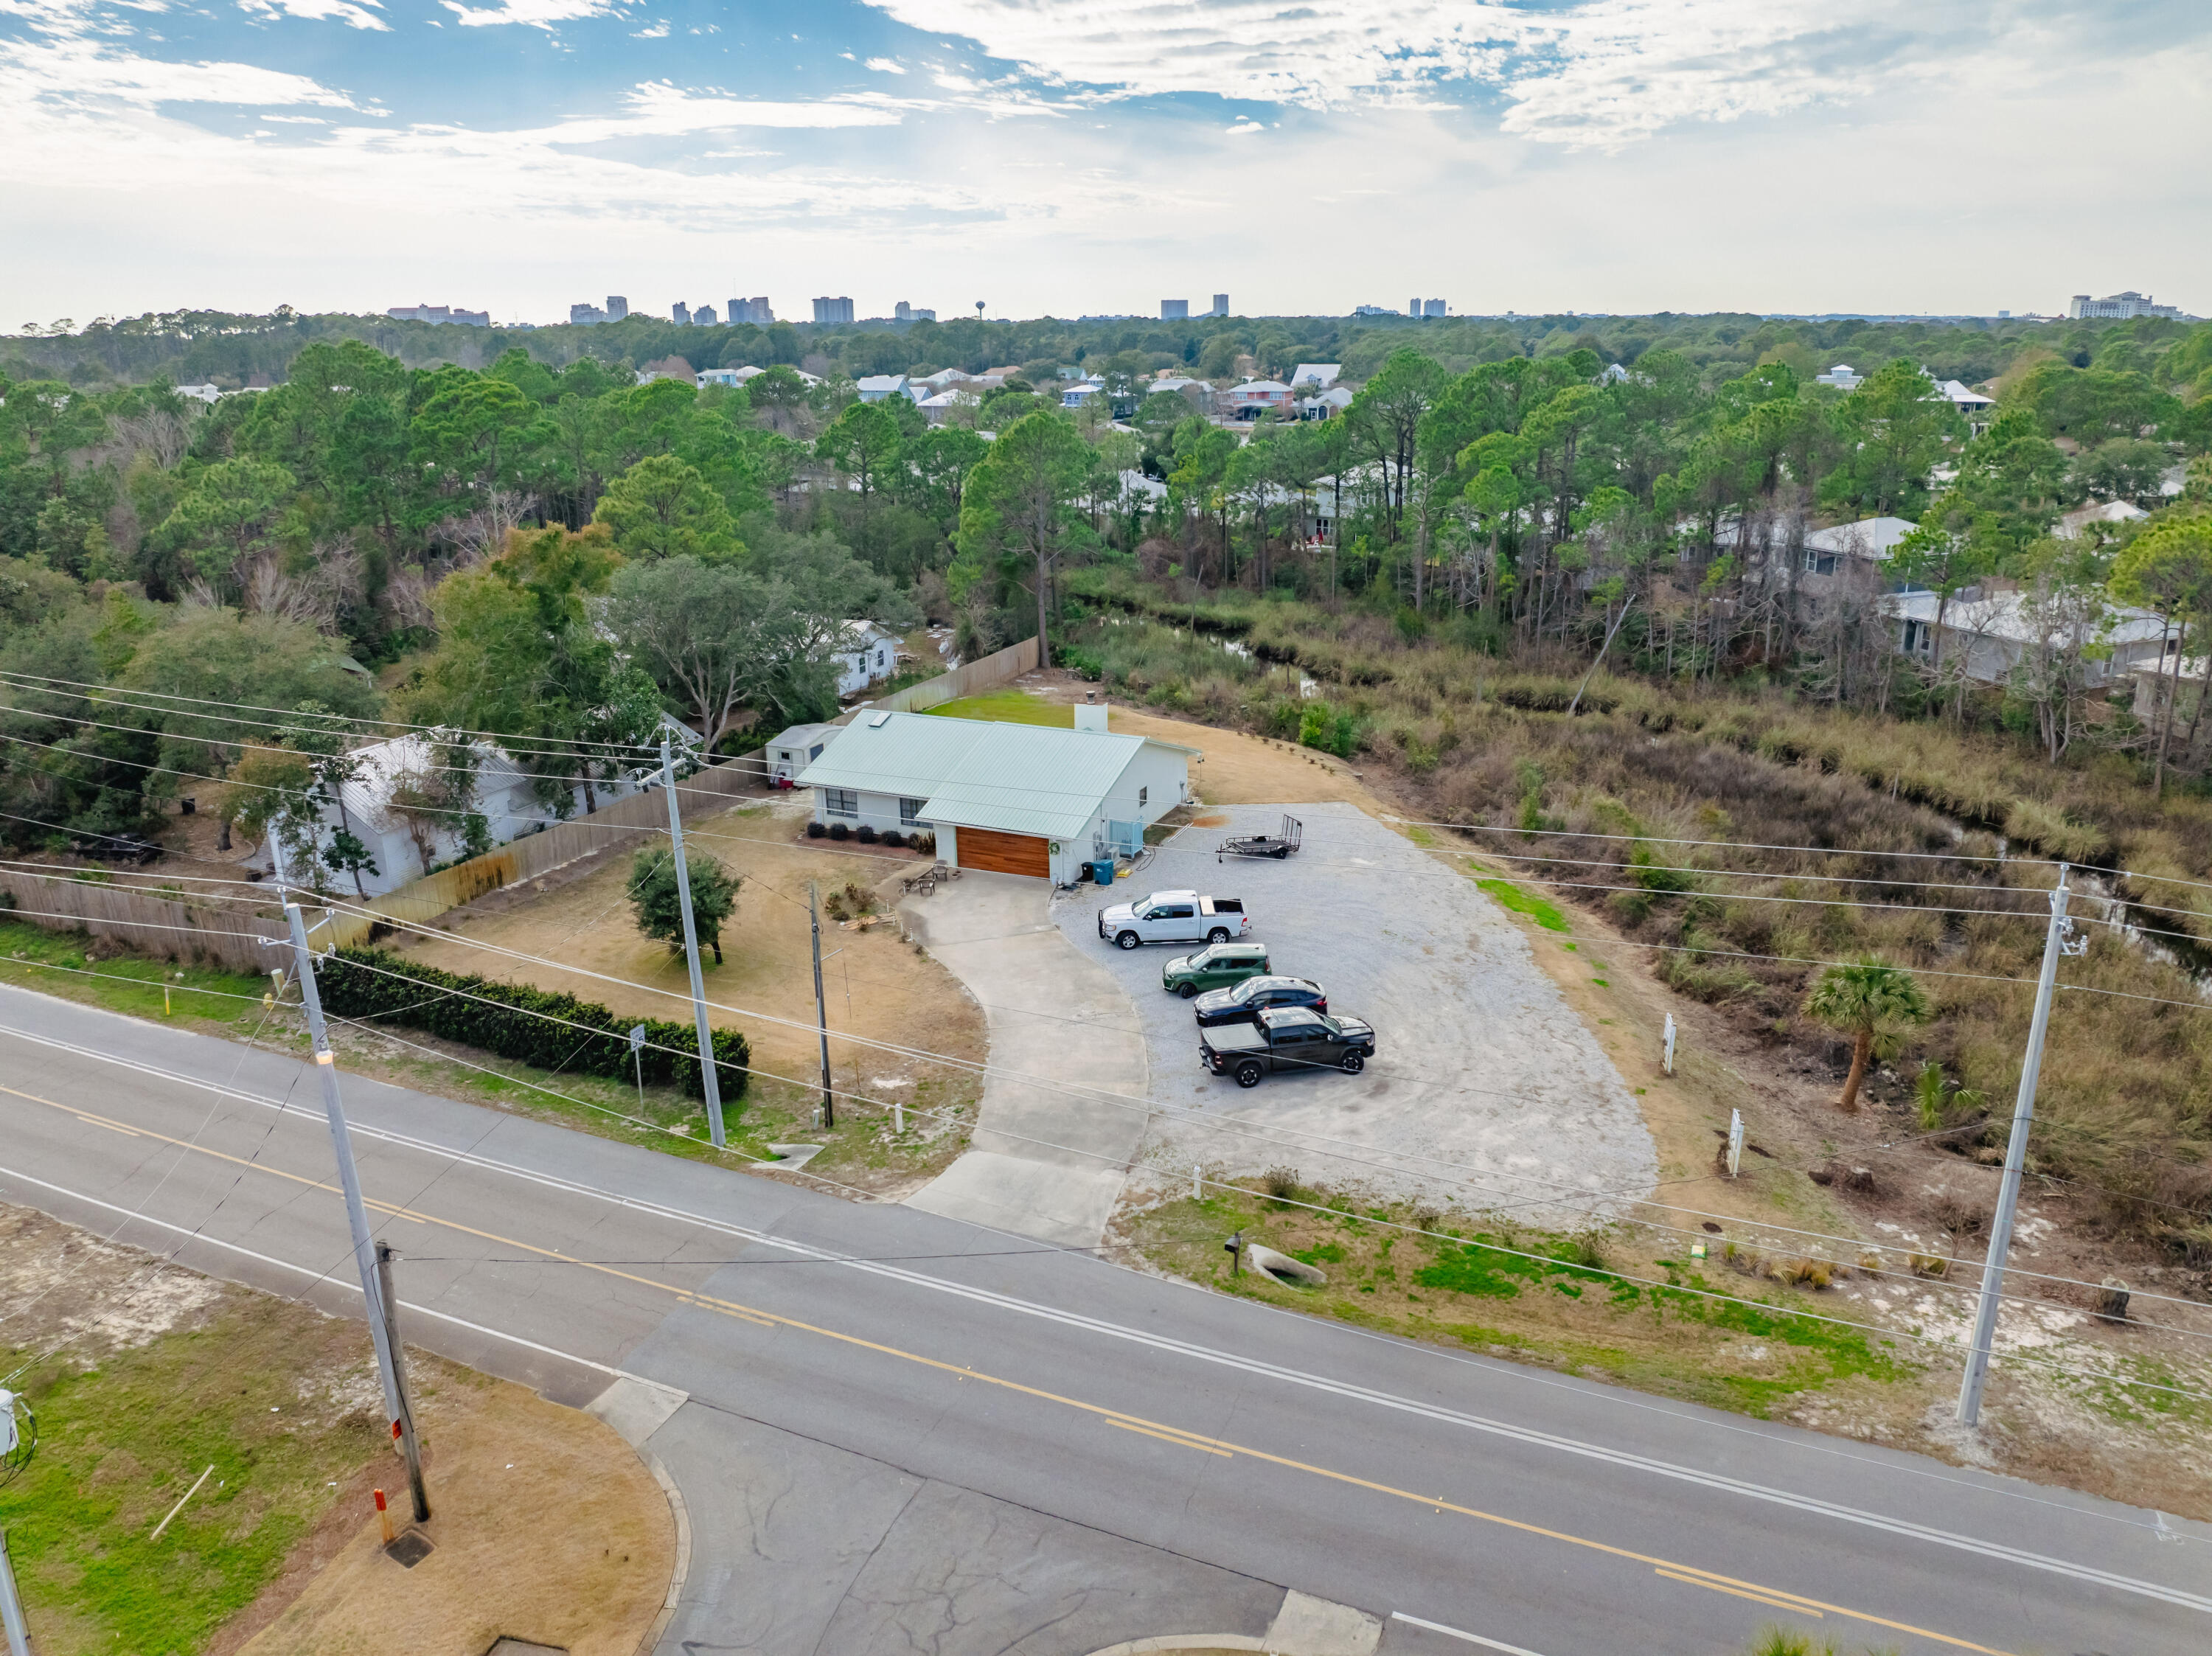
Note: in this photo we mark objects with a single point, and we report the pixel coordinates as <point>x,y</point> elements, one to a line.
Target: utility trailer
<point>1277,846</point>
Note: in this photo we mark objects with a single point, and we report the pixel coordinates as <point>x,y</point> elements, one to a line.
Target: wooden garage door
<point>1003,853</point>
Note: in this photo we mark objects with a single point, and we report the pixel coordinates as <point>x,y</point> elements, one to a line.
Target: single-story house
<point>2082,521</point>
<point>395,803</point>
<point>870,656</point>
<point>949,406</point>
<point>874,387</point>
<point>1004,798</point>
<point>793,750</point>
<point>1325,405</point>
<point>1991,633</point>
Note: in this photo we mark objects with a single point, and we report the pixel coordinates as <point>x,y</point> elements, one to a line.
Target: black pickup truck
<point>1286,1038</point>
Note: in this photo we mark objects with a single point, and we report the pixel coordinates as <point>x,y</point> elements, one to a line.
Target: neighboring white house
<point>874,387</point>
<point>1325,405</point>
<point>948,405</point>
<point>1311,377</point>
<point>1870,540</point>
<point>870,657</point>
<point>1991,633</point>
<point>792,750</point>
<point>1006,798</point>
<point>1970,403</point>
<point>199,393</point>
<point>2074,524</point>
<point>1843,376</point>
<point>499,792</point>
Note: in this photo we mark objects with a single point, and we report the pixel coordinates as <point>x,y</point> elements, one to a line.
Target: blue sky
<point>1077,156</point>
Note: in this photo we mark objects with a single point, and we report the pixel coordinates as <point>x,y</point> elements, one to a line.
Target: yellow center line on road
<point>1778,1597</point>
<point>1769,1599</point>
<point>1168,1434</point>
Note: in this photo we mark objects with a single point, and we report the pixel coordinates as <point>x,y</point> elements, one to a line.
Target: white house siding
<point>879,811</point>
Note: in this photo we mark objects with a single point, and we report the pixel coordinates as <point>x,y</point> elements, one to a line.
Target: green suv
<point>1215,967</point>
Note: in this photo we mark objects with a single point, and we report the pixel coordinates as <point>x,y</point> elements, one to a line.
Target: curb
<point>681,1514</point>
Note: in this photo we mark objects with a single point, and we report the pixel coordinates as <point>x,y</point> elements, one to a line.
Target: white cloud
<point>1586,71</point>
<point>885,66</point>
<point>343,11</point>
<point>657,109</point>
<point>538,14</point>
<point>658,32</point>
<point>72,74</point>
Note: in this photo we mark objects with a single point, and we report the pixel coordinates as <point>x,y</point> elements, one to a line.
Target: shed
<point>792,750</point>
<point>1006,798</point>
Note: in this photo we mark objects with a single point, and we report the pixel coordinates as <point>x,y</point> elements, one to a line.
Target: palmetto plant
<point>1864,999</point>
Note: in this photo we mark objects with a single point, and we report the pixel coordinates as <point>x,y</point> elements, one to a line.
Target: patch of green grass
<point>120,1444</point>
<point>1491,1273</point>
<point>54,963</point>
<point>1007,708</point>
<point>1511,896</point>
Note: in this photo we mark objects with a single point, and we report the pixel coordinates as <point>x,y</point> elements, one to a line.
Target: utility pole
<point>364,1257</point>
<point>2054,943</point>
<point>710,1081</point>
<point>11,1607</point>
<point>821,1008</point>
<point>384,1257</point>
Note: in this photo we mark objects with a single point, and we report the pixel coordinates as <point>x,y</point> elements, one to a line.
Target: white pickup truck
<point>1174,917</point>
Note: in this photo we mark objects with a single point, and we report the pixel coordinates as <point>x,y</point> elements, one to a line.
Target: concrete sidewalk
<point>1047,1161</point>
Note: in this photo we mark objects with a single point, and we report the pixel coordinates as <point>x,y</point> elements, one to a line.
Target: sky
<point>1075,157</point>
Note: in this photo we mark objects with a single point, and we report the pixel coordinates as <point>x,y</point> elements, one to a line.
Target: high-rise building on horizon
<point>440,314</point>
<point>703,317</point>
<point>1221,304</point>
<point>617,307</point>
<point>585,316</point>
<point>2117,308</point>
<point>1433,307</point>
<point>829,312</point>
<point>1175,310</point>
<point>756,310</point>
<point>680,313</point>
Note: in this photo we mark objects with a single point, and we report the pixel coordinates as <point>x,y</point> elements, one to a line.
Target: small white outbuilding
<point>1007,799</point>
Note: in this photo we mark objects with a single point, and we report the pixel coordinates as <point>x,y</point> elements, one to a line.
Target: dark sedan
<point>1243,1002</point>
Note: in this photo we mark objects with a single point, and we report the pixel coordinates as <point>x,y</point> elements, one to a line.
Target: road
<point>903,1433</point>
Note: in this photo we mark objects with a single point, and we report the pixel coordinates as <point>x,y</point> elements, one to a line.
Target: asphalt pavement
<point>901,1432</point>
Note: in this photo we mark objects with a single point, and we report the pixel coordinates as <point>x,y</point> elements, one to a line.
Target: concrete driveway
<point>1487,1090</point>
<point>1050,1153</point>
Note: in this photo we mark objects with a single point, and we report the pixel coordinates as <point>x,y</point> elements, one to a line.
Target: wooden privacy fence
<point>168,921</point>
<point>171,919</point>
<point>997,668</point>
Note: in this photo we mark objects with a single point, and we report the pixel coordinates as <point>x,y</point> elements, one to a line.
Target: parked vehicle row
<point>1251,1019</point>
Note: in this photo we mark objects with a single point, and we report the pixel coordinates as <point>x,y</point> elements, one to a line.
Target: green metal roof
<point>1017,779</point>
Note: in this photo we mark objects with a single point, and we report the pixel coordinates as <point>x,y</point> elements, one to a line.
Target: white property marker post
<point>637,1056</point>
<point>364,1251</point>
<point>1735,1143</point>
<point>709,1081</point>
<point>2023,1116</point>
<point>1667,1059</point>
<point>11,1607</point>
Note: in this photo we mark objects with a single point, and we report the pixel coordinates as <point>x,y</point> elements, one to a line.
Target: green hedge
<point>516,1024</point>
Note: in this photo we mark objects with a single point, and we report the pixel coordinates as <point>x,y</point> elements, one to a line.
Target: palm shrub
<point>1867,999</point>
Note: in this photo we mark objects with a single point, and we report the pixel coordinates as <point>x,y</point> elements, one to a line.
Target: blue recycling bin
<point>1102,870</point>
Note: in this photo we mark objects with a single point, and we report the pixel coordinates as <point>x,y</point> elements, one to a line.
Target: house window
<point>840,801</point>
<point>1142,795</point>
<point>910,812</point>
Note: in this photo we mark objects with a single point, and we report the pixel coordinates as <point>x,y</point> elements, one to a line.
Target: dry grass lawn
<point>877,988</point>
<point>547,1528</point>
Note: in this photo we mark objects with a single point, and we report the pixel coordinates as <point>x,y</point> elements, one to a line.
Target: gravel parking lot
<point>1485,1091</point>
